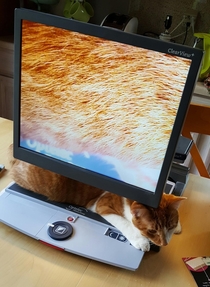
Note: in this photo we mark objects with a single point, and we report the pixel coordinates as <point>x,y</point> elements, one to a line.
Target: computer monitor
<point>99,105</point>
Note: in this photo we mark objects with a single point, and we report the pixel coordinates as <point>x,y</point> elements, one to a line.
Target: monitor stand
<point>66,227</point>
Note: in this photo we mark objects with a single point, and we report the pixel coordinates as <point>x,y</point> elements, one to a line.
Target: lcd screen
<point>102,105</point>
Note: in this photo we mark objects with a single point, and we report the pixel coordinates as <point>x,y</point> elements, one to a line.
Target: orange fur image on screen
<point>99,97</point>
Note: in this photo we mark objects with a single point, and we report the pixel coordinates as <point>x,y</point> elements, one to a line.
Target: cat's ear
<point>174,201</point>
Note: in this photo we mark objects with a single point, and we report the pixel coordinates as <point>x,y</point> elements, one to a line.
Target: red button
<point>70,218</point>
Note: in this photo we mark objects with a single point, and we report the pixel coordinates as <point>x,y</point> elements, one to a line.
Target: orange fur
<point>152,221</point>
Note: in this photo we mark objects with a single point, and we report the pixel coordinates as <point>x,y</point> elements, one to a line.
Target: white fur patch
<point>127,210</point>
<point>93,207</point>
<point>178,229</point>
<point>127,228</point>
<point>168,234</point>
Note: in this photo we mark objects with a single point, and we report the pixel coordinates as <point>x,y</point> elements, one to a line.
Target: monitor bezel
<point>88,177</point>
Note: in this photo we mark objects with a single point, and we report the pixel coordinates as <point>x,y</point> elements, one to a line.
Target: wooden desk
<point>26,262</point>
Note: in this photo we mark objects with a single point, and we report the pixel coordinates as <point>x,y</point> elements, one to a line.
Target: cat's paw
<point>141,243</point>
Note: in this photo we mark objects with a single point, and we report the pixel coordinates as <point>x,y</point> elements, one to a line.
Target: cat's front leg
<point>132,233</point>
<point>140,242</point>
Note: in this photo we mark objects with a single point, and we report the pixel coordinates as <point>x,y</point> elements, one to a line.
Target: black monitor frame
<point>77,173</point>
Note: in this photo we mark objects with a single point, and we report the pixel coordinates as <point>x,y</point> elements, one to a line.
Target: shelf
<point>7,42</point>
<point>201,96</point>
<point>6,56</point>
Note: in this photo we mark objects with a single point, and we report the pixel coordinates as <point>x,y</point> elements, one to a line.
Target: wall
<point>7,17</point>
<point>151,14</point>
<point>102,8</point>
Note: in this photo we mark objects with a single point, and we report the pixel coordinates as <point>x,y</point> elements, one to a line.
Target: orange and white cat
<point>140,224</point>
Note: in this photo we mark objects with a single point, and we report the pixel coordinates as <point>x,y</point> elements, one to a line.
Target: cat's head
<point>157,224</point>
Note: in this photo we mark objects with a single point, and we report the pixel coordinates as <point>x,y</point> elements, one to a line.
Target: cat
<point>96,97</point>
<point>139,223</point>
